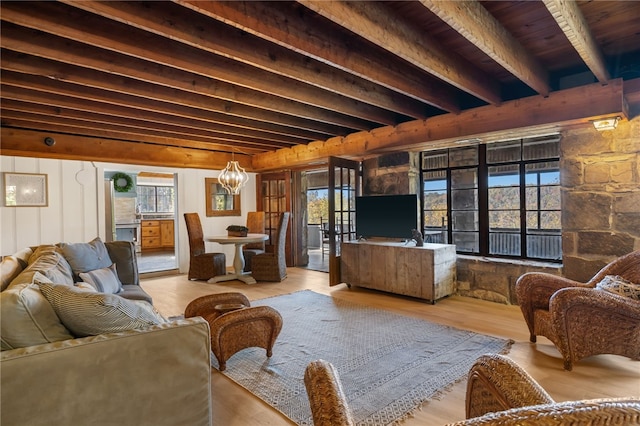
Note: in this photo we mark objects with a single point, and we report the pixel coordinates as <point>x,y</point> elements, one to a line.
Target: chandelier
<point>233,177</point>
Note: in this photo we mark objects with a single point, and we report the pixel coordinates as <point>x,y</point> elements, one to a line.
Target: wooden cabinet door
<point>166,233</point>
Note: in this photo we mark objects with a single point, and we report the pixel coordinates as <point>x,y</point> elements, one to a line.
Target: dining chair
<point>202,265</point>
<point>273,266</point>
<point>255,223</point>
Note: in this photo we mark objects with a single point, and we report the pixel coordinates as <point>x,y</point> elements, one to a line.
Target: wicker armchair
<point>255,223</point>
<point>498,392</point>
<point>580,320</point>
<point>202,265</point>
<point>273,266</point>
<point>257,326</point>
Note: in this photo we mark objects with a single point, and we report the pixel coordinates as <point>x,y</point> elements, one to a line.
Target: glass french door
<point>344,187</point>
<point>274,197</point>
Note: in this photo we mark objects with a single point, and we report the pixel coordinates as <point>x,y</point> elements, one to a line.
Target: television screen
<point>390,216</point>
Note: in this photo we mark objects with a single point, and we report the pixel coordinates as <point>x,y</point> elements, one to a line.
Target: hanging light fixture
<point>233,177</point>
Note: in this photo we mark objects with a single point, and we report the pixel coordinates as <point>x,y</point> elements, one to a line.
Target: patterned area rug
<point>389,364</point>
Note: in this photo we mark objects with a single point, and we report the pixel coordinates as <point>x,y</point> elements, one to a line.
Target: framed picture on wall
<point>25,190</point>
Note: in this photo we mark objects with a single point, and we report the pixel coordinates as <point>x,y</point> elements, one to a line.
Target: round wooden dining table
<point>238,259</point>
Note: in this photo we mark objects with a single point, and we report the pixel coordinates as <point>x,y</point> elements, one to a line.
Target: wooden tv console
<point>427,272</point>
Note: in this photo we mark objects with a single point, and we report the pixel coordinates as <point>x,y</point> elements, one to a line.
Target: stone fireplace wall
<point>600,177</point>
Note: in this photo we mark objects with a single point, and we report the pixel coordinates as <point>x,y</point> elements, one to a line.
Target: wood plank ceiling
<point>284,84</point>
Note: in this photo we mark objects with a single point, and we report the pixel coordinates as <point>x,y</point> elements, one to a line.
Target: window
<point>500,199</point>
<point>155,199</point>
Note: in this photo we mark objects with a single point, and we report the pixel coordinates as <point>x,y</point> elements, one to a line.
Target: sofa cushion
<point>28,319</point>
<point>84,257</point>
<point>47,262</point>
<point>86,313</point>
<point>617,285</point>
<point>9,268</point>
<point>135,292</point>
<point>104,280</point>
<point>122,253</point>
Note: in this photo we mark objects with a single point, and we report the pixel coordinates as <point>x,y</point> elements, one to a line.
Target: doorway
<point>141,207</point>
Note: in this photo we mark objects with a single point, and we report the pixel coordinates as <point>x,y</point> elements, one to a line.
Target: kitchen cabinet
<point>166,233</point>
<point>157,234</point>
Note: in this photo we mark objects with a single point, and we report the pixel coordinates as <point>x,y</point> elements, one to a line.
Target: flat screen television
<point>389,216</point>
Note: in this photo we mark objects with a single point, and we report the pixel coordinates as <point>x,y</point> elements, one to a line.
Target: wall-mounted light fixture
<point>606,123</point>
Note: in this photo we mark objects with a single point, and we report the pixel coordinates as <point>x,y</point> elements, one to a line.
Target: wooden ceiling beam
<point>64,95</point>
<point>38,104</point>
<point>93,30</point>
<point>49,123</point>
<point>213,36</point>
<point>30,143</point>
<point>476,24</point>
<point>488,123</point>
<point>372,21</point>
<point>229,98</point>
<point>572,22</point>
<point>273,21</point>
<point>124,136</point>
<point>172,99</point>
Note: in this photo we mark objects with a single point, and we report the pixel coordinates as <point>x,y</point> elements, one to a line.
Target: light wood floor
<point>595,377</point>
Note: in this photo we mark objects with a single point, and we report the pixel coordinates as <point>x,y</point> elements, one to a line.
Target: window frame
<point>155,190</point>
<point>482,202</point>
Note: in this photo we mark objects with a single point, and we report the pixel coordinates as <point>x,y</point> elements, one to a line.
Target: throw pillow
<point>48,263</point>
<point>89,314</point>
<point>28,319</point>
<point>617,285</point>
<point>105,280</point>
<point>84,257</point>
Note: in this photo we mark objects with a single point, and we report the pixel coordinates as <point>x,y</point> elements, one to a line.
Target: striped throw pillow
<point>86,313</point>
<point>104,280</point>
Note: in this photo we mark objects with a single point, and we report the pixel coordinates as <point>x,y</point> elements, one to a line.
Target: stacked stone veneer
<point>601,197</point>
<point>600,177</point>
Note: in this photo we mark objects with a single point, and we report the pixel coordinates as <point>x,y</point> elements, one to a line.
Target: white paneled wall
<point>76,210</point>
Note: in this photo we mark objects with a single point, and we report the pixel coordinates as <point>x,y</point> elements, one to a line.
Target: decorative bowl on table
<point>237,231</point>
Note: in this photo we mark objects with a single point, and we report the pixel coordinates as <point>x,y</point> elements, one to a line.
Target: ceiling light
<point>233,177</point>
<point>606,123</point>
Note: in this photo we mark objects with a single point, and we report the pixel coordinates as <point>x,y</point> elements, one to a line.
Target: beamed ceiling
<point>281,84</point>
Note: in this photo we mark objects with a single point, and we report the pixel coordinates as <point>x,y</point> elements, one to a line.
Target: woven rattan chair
<point>255,223</point>
<point>232,331</point>
<point>202,265</point>
<point>328,403</point>
<point>499,392</point>
<point>579,319</point>
<point>273,266</point>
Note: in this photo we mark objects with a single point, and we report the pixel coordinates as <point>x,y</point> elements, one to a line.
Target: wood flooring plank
<point>595,377</point>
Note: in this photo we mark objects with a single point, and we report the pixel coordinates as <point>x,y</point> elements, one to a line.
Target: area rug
<point>389,364</point>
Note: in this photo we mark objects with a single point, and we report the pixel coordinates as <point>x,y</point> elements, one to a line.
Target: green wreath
<point>120,186</point>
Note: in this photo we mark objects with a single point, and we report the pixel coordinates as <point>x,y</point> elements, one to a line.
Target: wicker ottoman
<point>236,329</point>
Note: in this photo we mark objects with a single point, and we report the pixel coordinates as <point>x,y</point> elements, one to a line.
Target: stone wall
<point>601,197</point>
<point>397,173</point>
<point>494,279</point>
<point>600,177</point>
